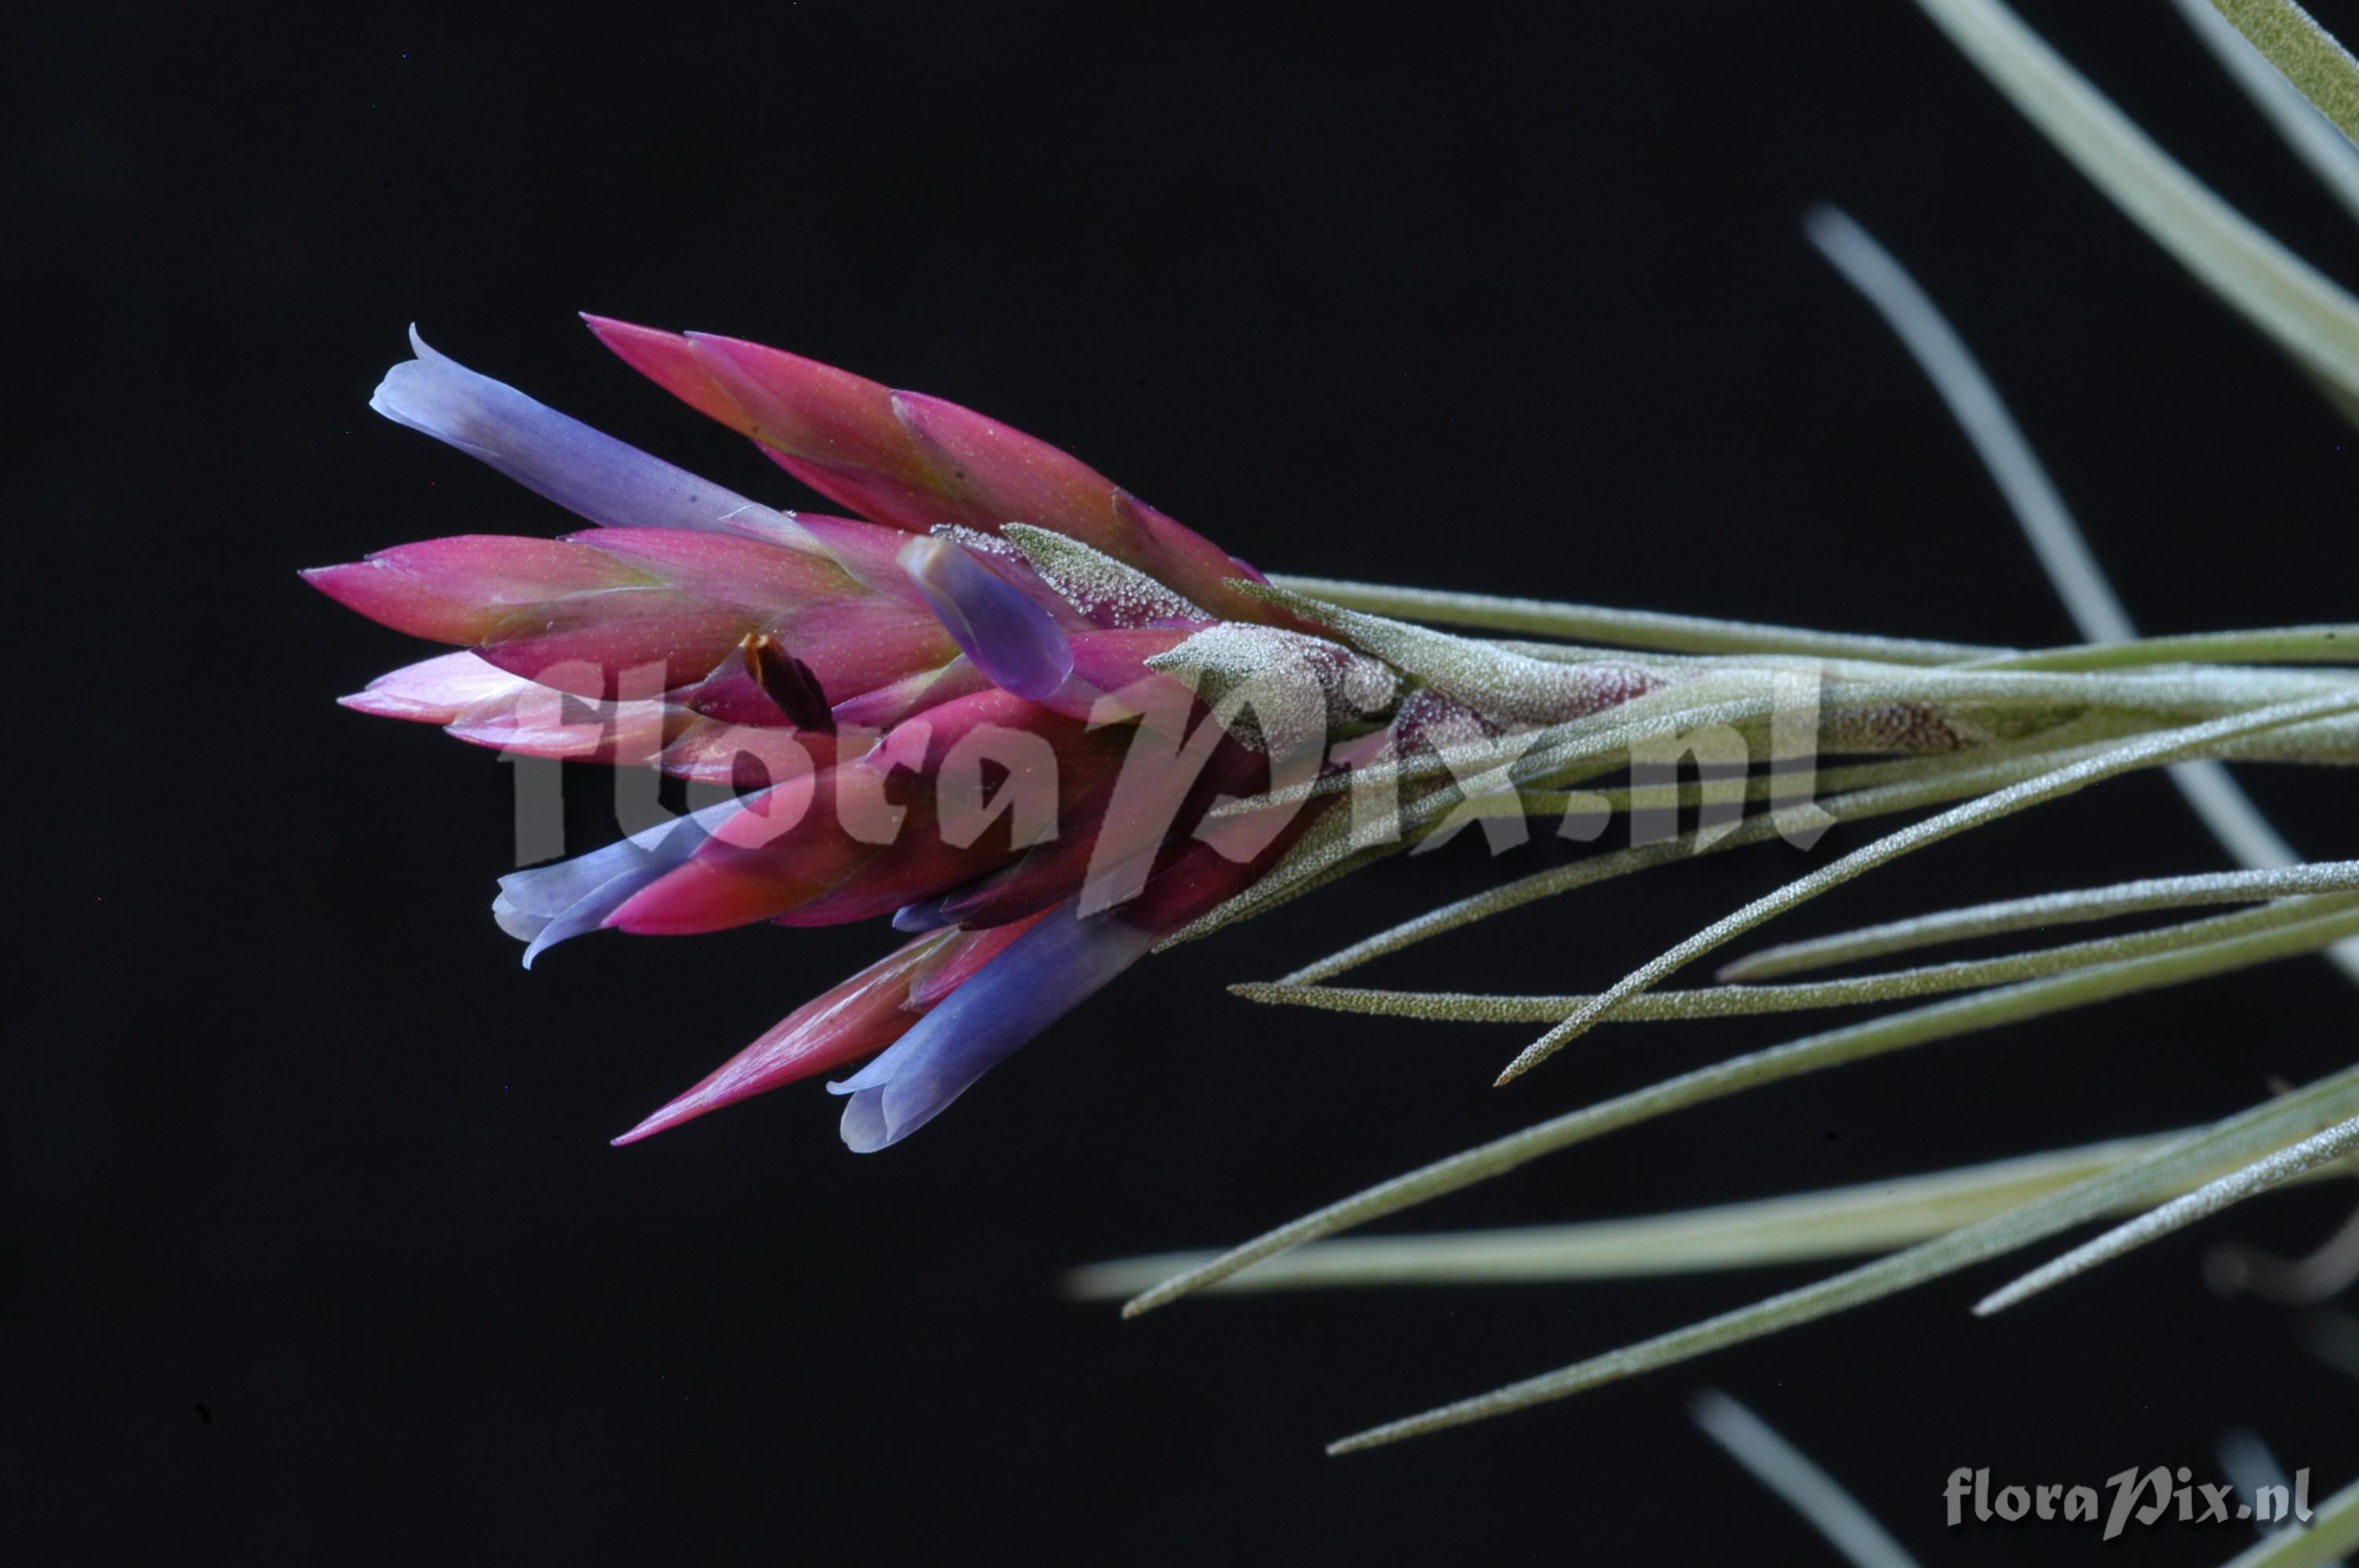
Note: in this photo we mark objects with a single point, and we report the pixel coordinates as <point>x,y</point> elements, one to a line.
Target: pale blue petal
<point>547,904</point>
<point>1042,976</point>
<point>926,914</point>
<point>1011,639</point>
<point>595,475</point>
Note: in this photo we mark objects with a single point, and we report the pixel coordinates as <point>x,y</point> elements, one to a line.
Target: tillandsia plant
<point>1041,729</point>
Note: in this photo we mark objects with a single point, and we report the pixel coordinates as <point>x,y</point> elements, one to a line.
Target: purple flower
<point>1045,974</point>
<point>1010,639</point>
<point>555,455</point>
<point>547,904</point>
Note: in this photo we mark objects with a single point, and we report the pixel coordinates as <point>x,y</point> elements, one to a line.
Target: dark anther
<point>787,682</point>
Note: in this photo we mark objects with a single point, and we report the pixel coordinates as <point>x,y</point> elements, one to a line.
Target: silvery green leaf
<point>1916,1026</point>
<point>1836,1222</point>
<point>2233,1140</point>
<point>2314,320</point>
<point>2296,1160</point>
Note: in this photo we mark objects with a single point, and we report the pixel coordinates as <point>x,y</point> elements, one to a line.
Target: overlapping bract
<point>916,462</point>
<point>925,714</point>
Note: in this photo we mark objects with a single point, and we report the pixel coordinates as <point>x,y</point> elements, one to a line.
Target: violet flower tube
<point>555,455</point>
<point>549,904</point>
<point>1048,971</point>
<point>1010,639</point>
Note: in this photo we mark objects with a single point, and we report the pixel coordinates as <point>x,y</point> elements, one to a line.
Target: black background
<point>322,1253</point>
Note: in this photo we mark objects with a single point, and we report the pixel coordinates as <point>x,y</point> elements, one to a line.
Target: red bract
<point>916,462</point>
<point>939,726</point>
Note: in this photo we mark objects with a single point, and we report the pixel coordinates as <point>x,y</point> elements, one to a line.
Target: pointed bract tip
<point>915,919</point>
<point>648,1127</point>
<point>608,327</point>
